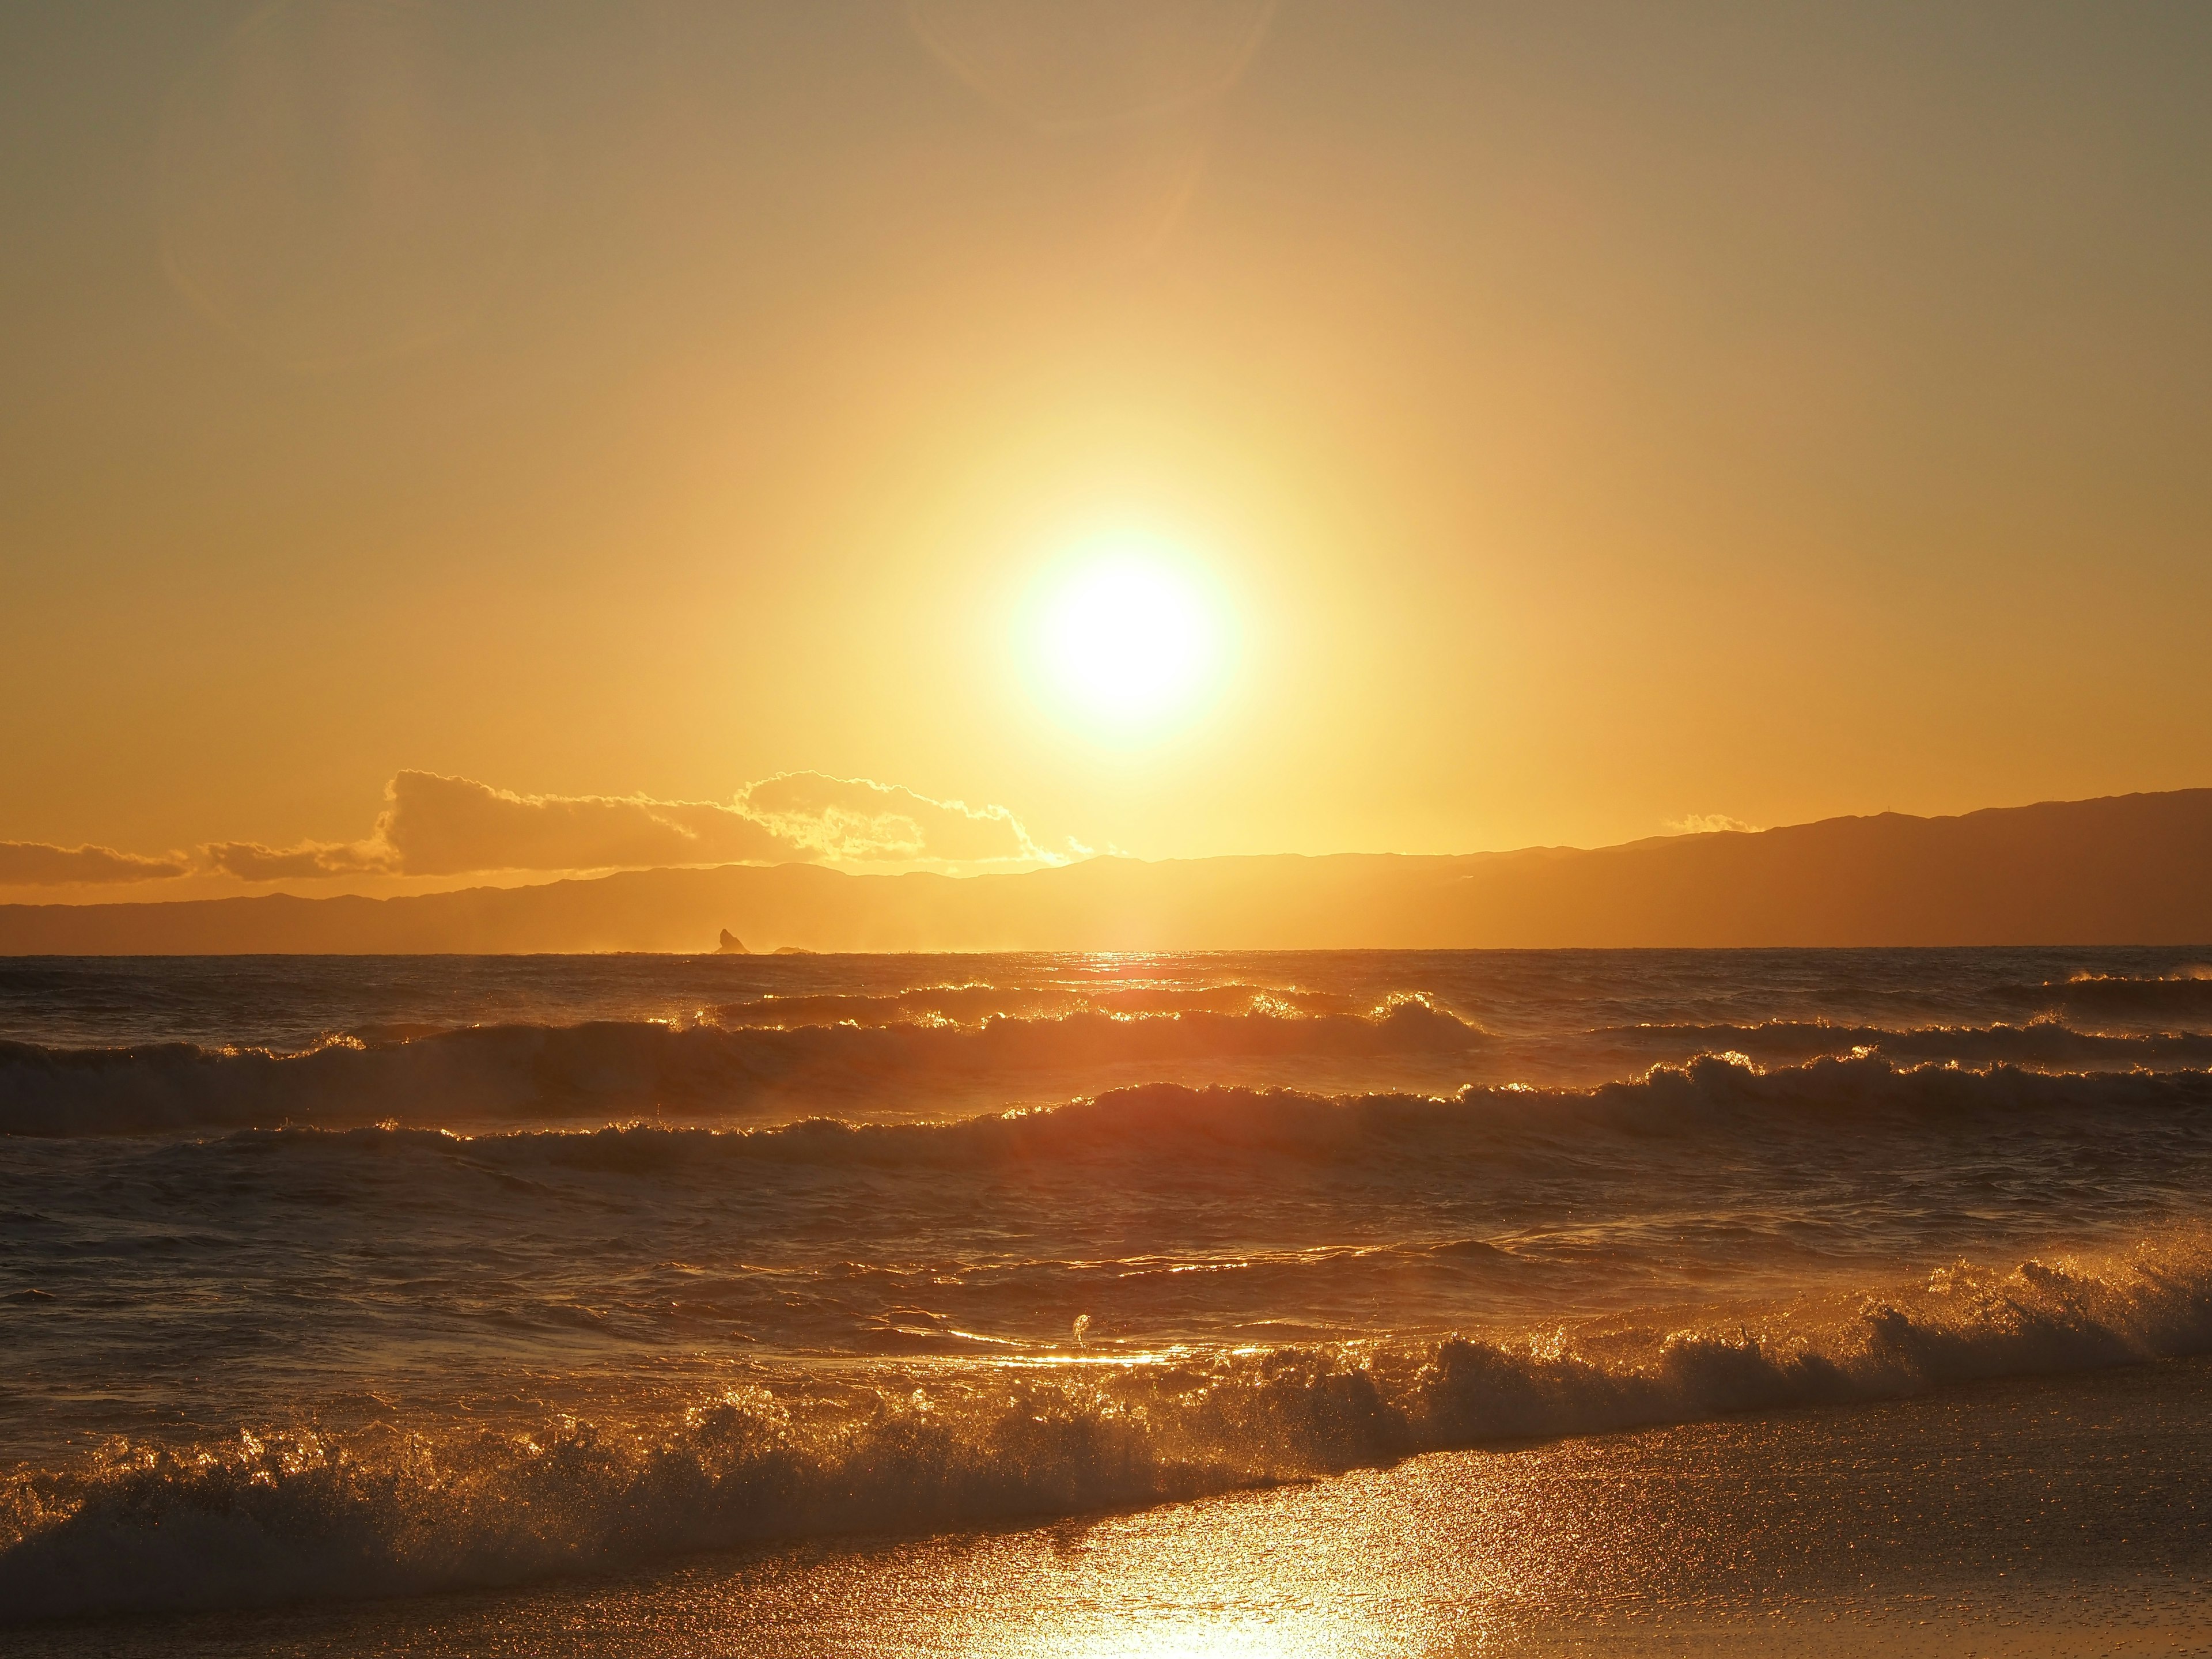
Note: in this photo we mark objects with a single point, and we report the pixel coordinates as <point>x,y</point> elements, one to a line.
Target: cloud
<point>250,861</point>
<point>1709,824</point>
<point>853,818</point>
<point>34,864</point>
<point>435,825</point>
<point>441,826</point>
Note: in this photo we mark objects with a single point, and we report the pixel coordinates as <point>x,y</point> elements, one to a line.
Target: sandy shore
<point>2067,1516</point>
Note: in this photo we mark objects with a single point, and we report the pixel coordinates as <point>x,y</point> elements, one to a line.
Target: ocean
<point>1338,1303</point>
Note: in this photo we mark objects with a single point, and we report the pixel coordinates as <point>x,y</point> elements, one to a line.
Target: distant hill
<point>2129,869</point>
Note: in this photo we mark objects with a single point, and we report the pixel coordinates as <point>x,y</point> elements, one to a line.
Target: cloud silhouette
<point>435,825</point>
<point>251,861</point>
<point>853,818</point>
<point>440,826</point>
<point>35,864</point>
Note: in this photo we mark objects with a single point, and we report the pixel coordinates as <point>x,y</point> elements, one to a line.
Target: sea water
<point>372,1278</point>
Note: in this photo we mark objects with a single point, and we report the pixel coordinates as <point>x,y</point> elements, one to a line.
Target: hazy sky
<point>1582,416</point>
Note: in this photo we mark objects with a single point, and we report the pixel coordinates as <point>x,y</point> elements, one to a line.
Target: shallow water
<point>336,1278</point>
<point>2026,1516</point>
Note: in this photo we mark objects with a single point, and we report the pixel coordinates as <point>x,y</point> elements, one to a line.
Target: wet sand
<point>2068,1516</point>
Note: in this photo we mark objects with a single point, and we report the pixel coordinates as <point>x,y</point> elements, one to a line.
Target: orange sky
<point>1585,417</point>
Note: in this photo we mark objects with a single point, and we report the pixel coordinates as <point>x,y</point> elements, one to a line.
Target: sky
<point>1548,423</point>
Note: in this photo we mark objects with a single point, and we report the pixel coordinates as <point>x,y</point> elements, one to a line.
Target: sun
<point>1126,637</point>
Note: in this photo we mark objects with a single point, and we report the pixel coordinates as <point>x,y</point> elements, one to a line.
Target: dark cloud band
<point>435,825</point>
<point>35,864</point>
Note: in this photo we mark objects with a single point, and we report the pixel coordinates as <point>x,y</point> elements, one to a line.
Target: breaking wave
<point>301,1513</point>
<point>609,1068</point>
<point>920,1053</point>
<point>2182,996</point>
<point>2043,1043</point>
<point>978,1002</point>
<point>1723,1098</point>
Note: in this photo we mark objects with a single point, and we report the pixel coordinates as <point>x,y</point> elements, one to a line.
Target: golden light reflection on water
<point>1246,1636</point>
<point>1812,1533</point>
<point>1328,1571</point>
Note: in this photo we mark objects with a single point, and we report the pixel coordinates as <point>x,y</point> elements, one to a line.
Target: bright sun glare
<point>1126,637</point>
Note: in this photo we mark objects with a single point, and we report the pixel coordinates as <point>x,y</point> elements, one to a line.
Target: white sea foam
<point>281,1515</point>
<point>637,1189</point>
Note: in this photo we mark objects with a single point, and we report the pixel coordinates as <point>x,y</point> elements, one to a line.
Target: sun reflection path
<point>1229,1636</point>
<point>1340,1569</point>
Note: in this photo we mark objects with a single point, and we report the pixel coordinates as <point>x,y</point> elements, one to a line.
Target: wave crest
<point>2182,995</point>
<point>977,1001</point>
<point>2044,1044</point>
<point>489,1072</point>
<point>281,1515</point>
<point>1721,1098</point>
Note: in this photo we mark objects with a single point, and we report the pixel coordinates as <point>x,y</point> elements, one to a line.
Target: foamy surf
<point>283,1514</point>
<point>704,1074</point>
<point>383,1278</point>
<point>489,1072</point>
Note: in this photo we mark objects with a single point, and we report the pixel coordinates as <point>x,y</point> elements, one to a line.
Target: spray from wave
<point>1715,1098</point>
<point>489,1072</point>
<point>2045,1045</point>
<point>932,1066</point>
<point>282,1515</point>
<point>977,1001</point>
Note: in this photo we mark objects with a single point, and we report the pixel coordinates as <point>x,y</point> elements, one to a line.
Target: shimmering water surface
<point>361,1277</point>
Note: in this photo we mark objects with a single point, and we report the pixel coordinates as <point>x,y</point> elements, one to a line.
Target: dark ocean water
<point>374,1276</point>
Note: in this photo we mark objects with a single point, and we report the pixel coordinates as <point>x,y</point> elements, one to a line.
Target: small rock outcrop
<point>732,946</point>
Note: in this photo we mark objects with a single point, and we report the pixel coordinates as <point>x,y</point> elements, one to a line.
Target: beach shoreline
<point>2061,1515</point>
